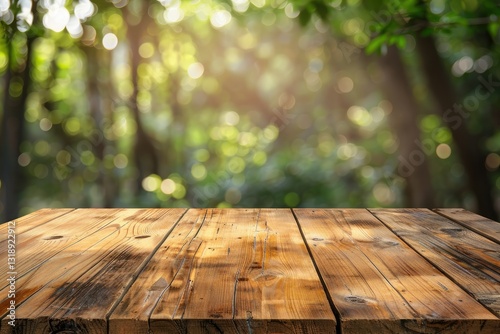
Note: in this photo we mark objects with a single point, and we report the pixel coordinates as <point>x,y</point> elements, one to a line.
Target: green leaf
<point>299,3</point>
<point>376,44</point>
<point>493,29</point>
<point>374,5</point>
<point>322,10</point>
<point>446,31</point>
<point>398,40</point>
<point>401,42</point>
<point>304,17</point>
<point>427,32</point>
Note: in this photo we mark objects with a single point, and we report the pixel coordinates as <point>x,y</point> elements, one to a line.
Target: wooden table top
<point>251,271</point>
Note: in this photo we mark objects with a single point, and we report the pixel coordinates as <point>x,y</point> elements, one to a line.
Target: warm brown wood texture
<point>481,225</point>
<point>469,259</point>
<point>241,270</point>
<point>153,271</point>
<point>378,283</point>
<point>37,244</point>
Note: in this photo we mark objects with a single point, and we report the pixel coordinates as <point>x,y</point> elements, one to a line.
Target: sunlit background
<point>261,103</point>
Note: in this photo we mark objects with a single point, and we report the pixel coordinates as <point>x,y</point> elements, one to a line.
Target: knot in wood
<point>268,275</point>
<point>355,300</point>
<point>385,243</point>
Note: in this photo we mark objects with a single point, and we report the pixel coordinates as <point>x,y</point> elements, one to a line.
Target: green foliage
<point>309,9</point>
<point>265,113</point>
<point>493,29</point>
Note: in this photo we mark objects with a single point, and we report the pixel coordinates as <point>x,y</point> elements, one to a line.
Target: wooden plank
<point>82,297</point>
<point>245,271</point>
<point>72,258</point>
<point>164,274</point>
<point>379,284</point>
<point>486,227</point>
<point>286,285</point>
<point>469,259</point>
<point>35,219</point>
<point>37,245</point>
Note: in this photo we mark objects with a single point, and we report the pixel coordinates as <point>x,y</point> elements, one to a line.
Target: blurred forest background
<point>249,103</point>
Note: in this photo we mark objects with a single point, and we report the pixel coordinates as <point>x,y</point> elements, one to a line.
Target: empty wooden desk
<point>250,271</point>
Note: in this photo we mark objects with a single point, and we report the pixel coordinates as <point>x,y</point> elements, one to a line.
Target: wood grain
<point>468,258</point>
<point>350,271</point>
<point>488,228</point>
<point>247,271</point>
<point>35,219</point>
<point>73,258</point>
<point>379,284</point>
<point>93,282</point>
<point>165,274</point>
<point>57,231</point>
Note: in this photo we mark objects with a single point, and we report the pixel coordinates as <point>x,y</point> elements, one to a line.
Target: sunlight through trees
<point>261,103</point>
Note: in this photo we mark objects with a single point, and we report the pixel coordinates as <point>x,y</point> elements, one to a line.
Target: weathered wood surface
<point>37,244</point>
<point>469,259</point>
<point>77,290</point>
<point>481,225</point>
<point>241,270</point>
<point>254,271</point>
<point>378,283</point>
<point>35,219</point>
<point>26,223</point>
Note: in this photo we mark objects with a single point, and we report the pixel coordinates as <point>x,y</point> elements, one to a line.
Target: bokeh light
<point>24,159</point>
<point>120,161</point>
<point>345,84</point>
<point>220,18</point>
<point>110,41</point>
<point>152,182</point>
<point>247,103</point>
<point>168,186</point>
<point>195,70</point>
<point>493,161</point>
<point>443,151</point>
<point>57,16</point>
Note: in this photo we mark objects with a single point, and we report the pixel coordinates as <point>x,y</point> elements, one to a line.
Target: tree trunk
<point>454,115</point>
<point>12,134</point>
<point>412,160</point>
<point>100,109</point>
<point>145,156</point>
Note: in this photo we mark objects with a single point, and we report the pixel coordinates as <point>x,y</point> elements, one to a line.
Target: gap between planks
<point>322,280</point>
<point>30,236</point>
<point>146,258</point>
<point>141,268</point>
<point>486,227</point>
<point>34,217</point>
<point>246,272</point>
<point>371,211</point>
<point>445,316</point>
<point>473,268</point>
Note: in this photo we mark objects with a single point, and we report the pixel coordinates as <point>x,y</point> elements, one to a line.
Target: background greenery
<point>261,103</point>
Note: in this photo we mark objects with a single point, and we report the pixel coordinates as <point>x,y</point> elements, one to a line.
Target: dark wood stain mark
<point>66,326</point>
<point>53,237</point>
<point>355,300</point>
<point>452,231</point>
